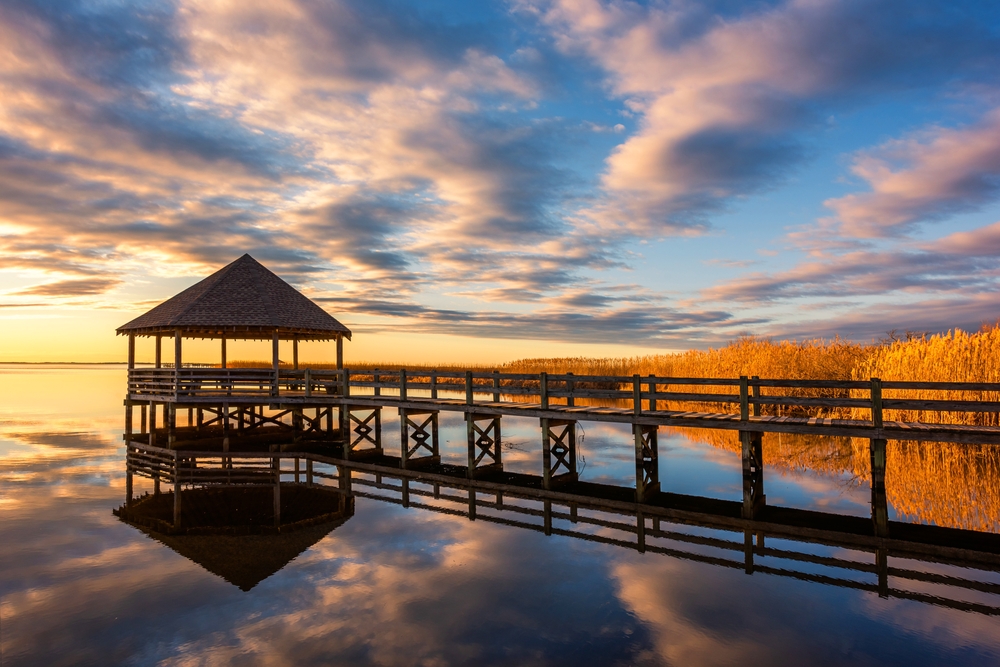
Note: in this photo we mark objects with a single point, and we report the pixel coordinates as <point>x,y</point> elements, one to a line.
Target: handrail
<point>641,394</point>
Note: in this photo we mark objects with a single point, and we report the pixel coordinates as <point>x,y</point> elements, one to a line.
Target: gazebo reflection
<point>232,532</point>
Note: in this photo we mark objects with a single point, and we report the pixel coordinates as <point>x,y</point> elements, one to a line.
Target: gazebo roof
<point>241,300</point>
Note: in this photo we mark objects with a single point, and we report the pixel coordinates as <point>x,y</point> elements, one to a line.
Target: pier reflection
<point>290,506</point>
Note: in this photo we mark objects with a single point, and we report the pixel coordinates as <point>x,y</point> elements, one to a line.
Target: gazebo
<point>242,301</point>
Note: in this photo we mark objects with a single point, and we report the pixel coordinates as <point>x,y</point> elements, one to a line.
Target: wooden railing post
<point>274,365</point>
<point>653,407</point>
<point>469,400</point>
<point>308,383</point>
<point>496,386</point>
<point>636,395</point>
<point>375,378</point>
<point>744,399</point>
<point>177,363</point>
<point>345,383</point>
<point>570,388</point>
<point>876,396</point>
<point>434,385</point>
<point>543,389</point>
<point>402,384</point>
<point>756,396</point>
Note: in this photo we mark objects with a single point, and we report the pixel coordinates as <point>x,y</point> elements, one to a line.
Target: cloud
<point>928,176</point>
<point>593,320</point>
<point>71,288</point>
<point>929,286</point>
<point>723,96</point>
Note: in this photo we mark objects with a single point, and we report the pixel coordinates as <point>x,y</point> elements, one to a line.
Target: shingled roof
<point>241,300</point>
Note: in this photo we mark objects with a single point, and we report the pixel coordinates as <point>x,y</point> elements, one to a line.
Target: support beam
<point>177,490</point>
<point>295,353</point>
<point>152,424</point>
<point>276,466</point>
<point>419,447</point>
<point>131,351</point>
<point>880,505</point>
<point>754,500</point>
<point>361,425</point>
<point>340,351</point>
<point>159,352</point>
<point>647,462</point>
<point>484,443</point>
<point>224,360</point>
<point>558,452</point>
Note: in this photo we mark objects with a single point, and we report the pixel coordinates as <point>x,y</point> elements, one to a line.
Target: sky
<point>477,182</point>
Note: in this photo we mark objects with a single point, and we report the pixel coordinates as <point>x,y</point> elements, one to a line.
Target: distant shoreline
<point>68,363</point>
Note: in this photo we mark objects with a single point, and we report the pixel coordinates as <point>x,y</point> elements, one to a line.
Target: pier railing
<point>740,398</point>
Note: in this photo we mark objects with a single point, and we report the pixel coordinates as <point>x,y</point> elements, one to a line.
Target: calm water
<point>397,586</point>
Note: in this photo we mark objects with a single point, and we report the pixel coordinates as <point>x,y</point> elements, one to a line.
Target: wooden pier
<point>343,409</point>
<point>247,420</point>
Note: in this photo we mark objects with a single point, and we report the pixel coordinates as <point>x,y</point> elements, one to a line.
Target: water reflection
<point>231,532</point>
<point>409,586</point>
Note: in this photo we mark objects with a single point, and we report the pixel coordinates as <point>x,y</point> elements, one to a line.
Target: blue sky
<point>525,176</point>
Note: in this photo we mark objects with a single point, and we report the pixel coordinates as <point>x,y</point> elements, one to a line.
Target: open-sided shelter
<point>243,300</point>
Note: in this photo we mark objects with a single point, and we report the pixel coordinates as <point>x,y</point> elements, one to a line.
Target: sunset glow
<point>478,182</point>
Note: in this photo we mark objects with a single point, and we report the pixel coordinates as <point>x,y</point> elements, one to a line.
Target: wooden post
<point>340,351</point>
<point>152,424</point>
<point>543,389</point>
<point>468,388</point>
<point>434,384</point>
<point>131,351</point>
<point>308,383</point>
<point>177,363</point>
<point>274,363</point>
<point>748,551</point>
<point>276,465</point>
<point>295,353</point>
<point>402,384</point>
<point>159,352</point>
<point>756,397</point>
<point>375,377</point>
<point>345,382</point>
<point>309,472</point>
<point>880,505</point>
<point>876,396</point>
<point>744,399</point>
<point>652,392</point>
<point>496,386</point>
<point>128,476</point>
<point>224,360</point>
<point>171,418</point>
<point>636,395</point>
<point>177,490</point>
<point>142,418</point>
<point>128,421</point>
